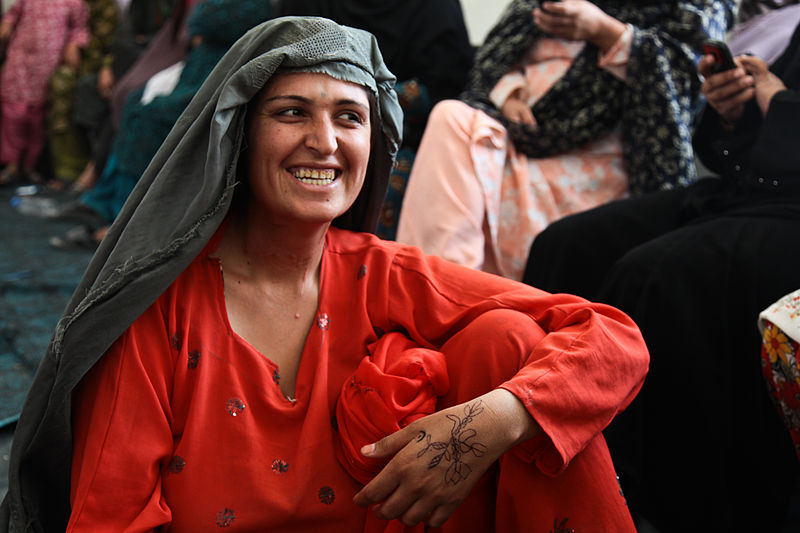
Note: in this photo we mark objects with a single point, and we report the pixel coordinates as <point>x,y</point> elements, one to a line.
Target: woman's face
<point>308,145</point>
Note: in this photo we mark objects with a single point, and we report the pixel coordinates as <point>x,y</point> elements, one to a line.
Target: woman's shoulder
<point>345,242</point>
<point>368,249</point>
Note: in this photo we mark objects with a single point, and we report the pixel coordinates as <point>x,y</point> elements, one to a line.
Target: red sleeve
<point>79,25</point>
<point>588,367</point>
<point>115,486</point>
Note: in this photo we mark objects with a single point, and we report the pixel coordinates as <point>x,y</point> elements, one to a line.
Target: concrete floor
<point>36,281</point>
<point>5,450</point>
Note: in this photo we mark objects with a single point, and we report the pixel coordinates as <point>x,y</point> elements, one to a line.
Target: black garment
<point>424,40</point>
<point>701,448</point>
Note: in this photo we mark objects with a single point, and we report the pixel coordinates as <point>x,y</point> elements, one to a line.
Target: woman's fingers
<point>726,91</point>
<point>388,479</point>
<point>754,65</point>
<point>722,89</point>
<point>518,111</point>
<point>767,84</point>
<point>391,444</point>
<point>408,506</point>
<point>377,490</point>
<point>440,515</point>
<point>556,23</point>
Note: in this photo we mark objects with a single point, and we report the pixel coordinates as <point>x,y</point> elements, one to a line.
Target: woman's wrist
<point>608,33</point>
<point>511,417</point>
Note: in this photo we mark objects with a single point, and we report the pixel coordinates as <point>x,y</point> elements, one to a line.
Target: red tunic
<point>182,423</point>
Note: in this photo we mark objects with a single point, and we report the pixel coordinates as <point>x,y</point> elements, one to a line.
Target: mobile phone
<point>723,60</point>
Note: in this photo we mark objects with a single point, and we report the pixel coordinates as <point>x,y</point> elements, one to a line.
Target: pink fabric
<point>22,133</point>
<point>42,29</point>
<point>473,200</point>
<point>547,61</point>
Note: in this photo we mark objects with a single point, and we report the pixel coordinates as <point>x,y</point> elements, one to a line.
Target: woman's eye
<point>351,116</point>
<point>290,112</point>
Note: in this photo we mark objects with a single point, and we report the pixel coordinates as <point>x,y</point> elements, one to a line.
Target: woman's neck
<point>267,253</point>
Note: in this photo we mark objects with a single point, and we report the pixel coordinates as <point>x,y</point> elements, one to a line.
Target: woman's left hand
<point>765,82</point>
<point>579,20</point>
<point>439,458</point>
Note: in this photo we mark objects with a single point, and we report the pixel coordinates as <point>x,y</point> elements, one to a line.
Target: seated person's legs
<point>701,445</point>
<point>575,254</point>
<point>588,483</point>
<point>443,209</point>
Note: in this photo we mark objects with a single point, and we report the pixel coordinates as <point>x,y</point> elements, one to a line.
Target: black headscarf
<point>422,39</point>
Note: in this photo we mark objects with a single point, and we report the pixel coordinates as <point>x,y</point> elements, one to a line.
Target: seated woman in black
<point>701,447</point>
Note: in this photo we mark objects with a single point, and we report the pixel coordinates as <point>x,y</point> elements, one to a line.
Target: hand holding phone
<point>723,60</point>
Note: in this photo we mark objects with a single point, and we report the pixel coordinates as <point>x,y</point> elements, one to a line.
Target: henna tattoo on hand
<point>453,450</point>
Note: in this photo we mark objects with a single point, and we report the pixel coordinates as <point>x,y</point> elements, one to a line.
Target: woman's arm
<point>560,394</point>
<point>775,153</point>
<point>579,20</point>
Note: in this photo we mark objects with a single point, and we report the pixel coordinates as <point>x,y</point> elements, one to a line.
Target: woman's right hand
<point>515,108</point>
<point>579,20</point>
<point>728,91</point>
<point>437,459</point>
<point>766,83</point>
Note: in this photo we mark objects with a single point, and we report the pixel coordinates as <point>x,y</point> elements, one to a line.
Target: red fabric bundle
<point>398,383</point>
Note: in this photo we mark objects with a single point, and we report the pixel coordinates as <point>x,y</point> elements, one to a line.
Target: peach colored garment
<point>473,200</point>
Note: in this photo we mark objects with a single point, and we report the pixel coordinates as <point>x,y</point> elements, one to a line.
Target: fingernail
<point>368,449</point>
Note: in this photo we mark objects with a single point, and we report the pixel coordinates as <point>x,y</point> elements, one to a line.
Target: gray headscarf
<point>180,201</point>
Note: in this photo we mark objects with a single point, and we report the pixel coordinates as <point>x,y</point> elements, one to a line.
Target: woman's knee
<point>450,116</point>
<point>490,350</point>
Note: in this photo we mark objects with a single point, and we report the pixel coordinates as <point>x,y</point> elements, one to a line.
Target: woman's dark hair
<point>750,8</point>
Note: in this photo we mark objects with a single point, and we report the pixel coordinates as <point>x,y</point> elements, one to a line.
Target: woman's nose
<point>321,136</point>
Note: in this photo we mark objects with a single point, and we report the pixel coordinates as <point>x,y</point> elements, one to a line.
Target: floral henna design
<point>459,445</point>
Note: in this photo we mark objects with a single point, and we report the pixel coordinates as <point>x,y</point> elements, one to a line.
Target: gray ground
<point>36,281</point>
<point>5,450</point>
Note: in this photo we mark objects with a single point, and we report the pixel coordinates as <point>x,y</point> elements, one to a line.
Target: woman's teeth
<point>315,177</point>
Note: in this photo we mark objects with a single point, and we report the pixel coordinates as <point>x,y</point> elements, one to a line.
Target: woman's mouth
<point>314,176</point>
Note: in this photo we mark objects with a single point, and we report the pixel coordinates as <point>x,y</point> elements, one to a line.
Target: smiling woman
<point>255,360</point>
<point>310,139</point>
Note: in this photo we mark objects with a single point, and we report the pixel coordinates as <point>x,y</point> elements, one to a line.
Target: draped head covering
<point>177,206</point>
